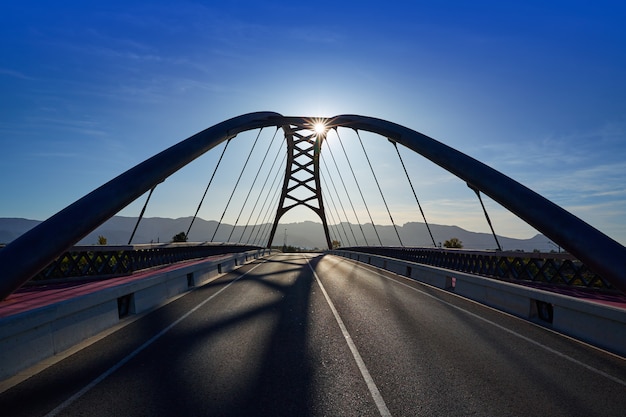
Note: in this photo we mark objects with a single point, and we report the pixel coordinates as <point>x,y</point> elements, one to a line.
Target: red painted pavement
<point>30,298</point>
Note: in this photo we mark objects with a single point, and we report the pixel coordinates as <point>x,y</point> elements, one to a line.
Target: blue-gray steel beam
<point>27,255</point>
<point>599,252</point>
<point>31,252</point>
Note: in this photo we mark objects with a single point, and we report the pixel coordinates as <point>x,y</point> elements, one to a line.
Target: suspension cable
<point>251,187</point>
<point>477,191</point>
<point>414,194</point>
<point>336,230</point>
<point>334,206</point>
<point>334,237</point>
<point>269,198</point>
<point>207,188</point>
<point>236,184</point>
<point>267,177</point>
<point>347,194</point>
<point>262,209</point>
<point>359,188</point>
<point>356,242</point>
<point>379,189</point>
<point>266,225</point>
<point>330,229</point>
<point>265,215</point>
<point>143,210</point>
<point>339,223</point>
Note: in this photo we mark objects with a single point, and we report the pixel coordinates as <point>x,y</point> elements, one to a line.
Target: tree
<point>180,237</point>
<point>336,244</point>
<point>453,243</point>
<point>287,248</point>
<point>102,240</point>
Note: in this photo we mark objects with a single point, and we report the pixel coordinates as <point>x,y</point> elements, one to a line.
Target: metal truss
<point>551,269</point>
<point>301,186</point>
<point>102,262</point>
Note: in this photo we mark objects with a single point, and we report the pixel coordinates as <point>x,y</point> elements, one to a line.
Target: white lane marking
<point>371,385</point>
<point>512,332</point>
<point>134,353</point>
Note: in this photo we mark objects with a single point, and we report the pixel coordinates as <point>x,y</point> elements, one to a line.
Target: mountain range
<point>307,234</point>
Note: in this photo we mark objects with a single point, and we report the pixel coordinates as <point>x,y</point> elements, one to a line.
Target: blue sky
<point>535,89</point>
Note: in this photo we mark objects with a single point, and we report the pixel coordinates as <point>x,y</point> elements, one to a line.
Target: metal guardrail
<point>102,262</point>
<point>557,269</point>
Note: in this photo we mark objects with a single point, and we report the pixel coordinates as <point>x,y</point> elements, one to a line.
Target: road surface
<point>319,335</point>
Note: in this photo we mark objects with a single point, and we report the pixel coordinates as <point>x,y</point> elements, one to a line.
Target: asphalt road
<point>315,335</point>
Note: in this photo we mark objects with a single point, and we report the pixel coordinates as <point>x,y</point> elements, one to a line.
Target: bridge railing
<point>102,262</point>
<point>555,269</point>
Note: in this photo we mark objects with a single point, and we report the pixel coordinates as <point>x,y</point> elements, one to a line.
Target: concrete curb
<point>598,324</point>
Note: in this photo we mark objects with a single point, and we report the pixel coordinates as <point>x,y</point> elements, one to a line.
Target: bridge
<point>238,329</point>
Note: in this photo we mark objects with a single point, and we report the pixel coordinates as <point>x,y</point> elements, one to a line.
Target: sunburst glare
<point>319,126</point>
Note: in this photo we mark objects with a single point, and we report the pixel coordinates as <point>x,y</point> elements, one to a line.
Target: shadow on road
<point>242,354</point>
<point>249,359</point>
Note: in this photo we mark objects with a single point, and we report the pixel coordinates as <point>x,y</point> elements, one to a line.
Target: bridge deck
<point>304,334</point>
<point>30,298</point>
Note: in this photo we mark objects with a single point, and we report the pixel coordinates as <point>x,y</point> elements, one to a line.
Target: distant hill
<point>306,234</point>
<point>11,228</point>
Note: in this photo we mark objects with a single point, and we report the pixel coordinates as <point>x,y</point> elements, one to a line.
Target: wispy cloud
<point>586,182</point>
<point>15,74</point>
<point>560,149</point>
<point>83,127</point>
<point>314,35</point>
<point>54,155</point>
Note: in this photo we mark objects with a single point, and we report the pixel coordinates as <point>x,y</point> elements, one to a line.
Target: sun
<point>319,126</point>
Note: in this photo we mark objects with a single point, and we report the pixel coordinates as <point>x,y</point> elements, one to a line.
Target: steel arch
<point>31,252</point>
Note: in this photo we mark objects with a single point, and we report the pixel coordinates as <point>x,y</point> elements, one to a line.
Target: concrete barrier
<point>30,337</point>
<point>598,324</point>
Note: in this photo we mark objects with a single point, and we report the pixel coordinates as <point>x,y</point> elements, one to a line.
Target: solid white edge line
<point>134,353</point>
<point>512,332</point>
<point>371,385</point>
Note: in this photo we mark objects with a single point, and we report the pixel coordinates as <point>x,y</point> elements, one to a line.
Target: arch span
<point>31,252</point>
